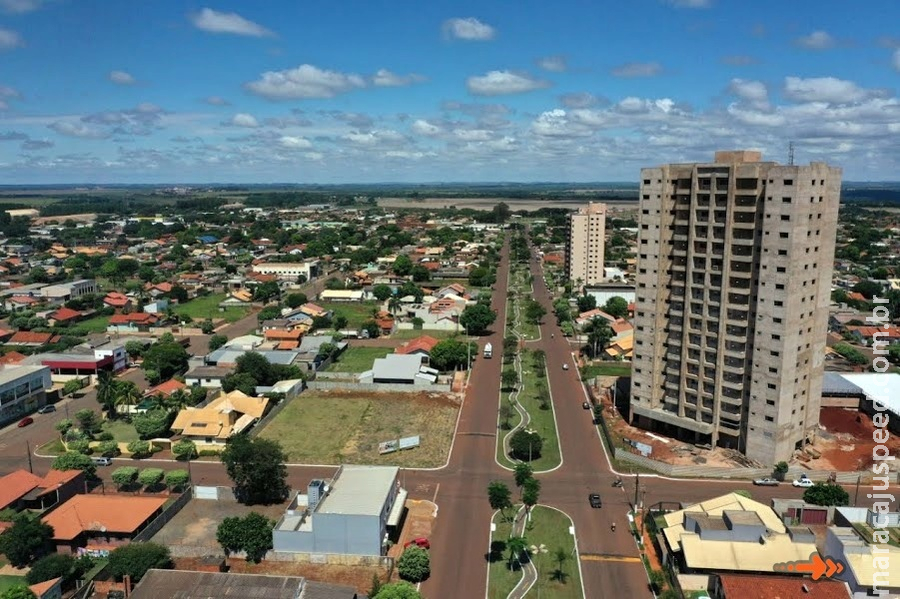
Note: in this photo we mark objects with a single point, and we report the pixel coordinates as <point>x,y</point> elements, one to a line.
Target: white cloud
<point>753,92</point>
<point>423,127</point>
<point>689,3</point>
<point>826,89</point>
<point>817,40</point>
<point>70,129</point>
<point>897,59</point>
<point>496,83</point>
<point>19,6</point>
<point>638,69</point>
<point>472,134</point>
<point>555,123</point>
<point>305,81</point>
<point>227,22</point>
<point>468,29</point>
<point>242,119</point>
<point>385,78</point>
<point>121,78</point>
<point>9,39</point>
<point>578,100</point>
<point>555,64</point>
<point>295,143</point>
<point>216,101</point>
<point>5,94</point>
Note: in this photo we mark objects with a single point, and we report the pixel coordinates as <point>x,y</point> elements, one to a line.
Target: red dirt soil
<point>850,428</point>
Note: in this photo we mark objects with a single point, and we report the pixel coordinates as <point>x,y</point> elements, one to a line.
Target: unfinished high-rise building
<point>733,288</point>
<point>585,244</point>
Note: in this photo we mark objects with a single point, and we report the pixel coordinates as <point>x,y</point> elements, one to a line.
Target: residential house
<point>117,300</point>
<point>454,289</point>
<point>308,351</point>
<point>166,389</point>
<point>864,335</point>
<point>869,569</point>
<point>622,349</point>
<point>159,306</point>
<point>399,370</point>
<point>420,346</point>
<point>49,589</point>
<point>352,515</point>
<point>744,586</point>
<point>97,524</point>
<point>64,316</point>
<point>12,357</point>
<point>23,490</point>
<point>313,310</point>
<point>155,290</point>
<point>134,322</point>
<point>209,377</point>
<point>166,584</point>
<point>32,339</point>
<point>236,299</point>
<point>586,317</point>
<point>212,425</point>
<point>17,303</point>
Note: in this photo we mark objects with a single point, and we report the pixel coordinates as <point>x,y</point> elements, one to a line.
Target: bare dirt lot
<point>846,444</point>
<point>196,524</point>
<point>345,427</point>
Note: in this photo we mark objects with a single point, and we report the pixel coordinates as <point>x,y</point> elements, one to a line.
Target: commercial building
<point>869,568</point>
<point>63,292</point>
<point>585,244</point>
<point>86,358</point>
<point>733,288</point>
<point>289,271</point>
<point>351,515</point>
<point>23,389</point>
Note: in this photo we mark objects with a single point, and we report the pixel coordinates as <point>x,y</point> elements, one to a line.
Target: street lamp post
<point>537,551</point>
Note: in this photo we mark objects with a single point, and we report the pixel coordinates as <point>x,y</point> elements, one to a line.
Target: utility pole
<point>637,486</point>
<point>28,447</point>
<point>856,498</point>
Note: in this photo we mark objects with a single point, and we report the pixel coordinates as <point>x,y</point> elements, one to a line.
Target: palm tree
<point>106,392</point>
<point>561,556</point>
<point>516,546</point>
<point>393,305</point>
<point>127,393</point>
<point>176,401</point>
<point>599,334</point>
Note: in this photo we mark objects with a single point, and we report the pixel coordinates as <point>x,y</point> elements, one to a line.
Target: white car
<point>803,482</point>
<point>565,366</point>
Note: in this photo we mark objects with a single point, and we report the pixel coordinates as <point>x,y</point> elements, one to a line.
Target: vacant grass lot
<point>7,581</point>
<point>121,430</point>
<point>358,359</point>
<point>606,369</point>
<point>207,306</point>
<point>97,324</point>
<point>550,528</point>
<point>346,427</point>
<point>412,334</point>
<point>356,313</point>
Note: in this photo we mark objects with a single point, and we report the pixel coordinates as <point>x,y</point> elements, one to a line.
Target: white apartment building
<point>733,287</point>
<point>289,270</point>
<point>585,244</point>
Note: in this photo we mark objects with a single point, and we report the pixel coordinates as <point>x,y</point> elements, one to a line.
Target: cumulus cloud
<point>216,101</point>
<point>385,78</point>
<point>227,22</point>
<point>817,40</point>
<point>827,89</point>
<point>578,100</point>
<point>13,136</point>
<point>470,29</point>
<point>689,3</point>
<point>638,69</point>
<point>80,130</point>
<point>37,144</point>
<point>9,39</point>
<point>19,7</point>
<point>121,78</point>
<point>295,143</point>
<point>554,64</point>
<point>242,119</point>
<point>305,81</point>
<point>754,92</point>
<point>496,83</point>
<point>423,127</point>
<point>6,94</point>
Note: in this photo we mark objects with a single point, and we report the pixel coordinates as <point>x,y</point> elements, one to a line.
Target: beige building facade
<point>585,244</point>
<point>733,288</point>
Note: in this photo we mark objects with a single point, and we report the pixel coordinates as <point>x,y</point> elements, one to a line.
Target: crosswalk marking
<point>593,557</point>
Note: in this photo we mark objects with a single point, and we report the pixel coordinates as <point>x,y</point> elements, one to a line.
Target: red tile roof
<point>135,317</point>
<point>31,338</point>
<point>284,345</point>
<point>167,388</point>
<point>64,314</point>
<point>116,299</point>
<point>424,343</point>
<point>24,299</point>
<point>12,357</point>
<point>737,586</point>
<point>42,587</point>
<point>16,484</point>
<point>116,513</point>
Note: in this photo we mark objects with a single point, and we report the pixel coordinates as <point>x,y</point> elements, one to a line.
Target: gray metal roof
<point>314,342</point>
<point>397,367</point>
<point>17,372</point>
<point>834,383</point>
<point>179,584</point>
<point>359,490</point>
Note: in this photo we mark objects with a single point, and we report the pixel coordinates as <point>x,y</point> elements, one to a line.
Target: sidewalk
<point>529,572</point>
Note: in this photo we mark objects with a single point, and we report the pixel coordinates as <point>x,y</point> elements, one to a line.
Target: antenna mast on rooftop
<point>791,154</point>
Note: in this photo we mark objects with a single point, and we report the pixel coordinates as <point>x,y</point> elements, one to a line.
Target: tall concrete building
<point>585,244</point>
<point>733,287</point>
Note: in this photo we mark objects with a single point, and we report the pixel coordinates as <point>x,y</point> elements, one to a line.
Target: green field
<point>358,359</point>
<point>412,334</point>
<point>97,324</point>
<point>121,430</point>
<point>207,306</point>
<point>356,313</point>
<point>346,428</point>
<point>8,581</point>
<point>550,528</point>
<point>542,421</point>
<point>606,369</point>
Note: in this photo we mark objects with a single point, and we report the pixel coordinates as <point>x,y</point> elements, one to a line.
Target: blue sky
<point>402,91</point>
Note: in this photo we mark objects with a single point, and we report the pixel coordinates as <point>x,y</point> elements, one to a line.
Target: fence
<point>378,387</point>
<point>282,556</point>
<point>259,426</point>
<point>161,520</point>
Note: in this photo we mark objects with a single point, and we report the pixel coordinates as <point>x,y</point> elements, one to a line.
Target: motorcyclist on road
<point>614,527</point>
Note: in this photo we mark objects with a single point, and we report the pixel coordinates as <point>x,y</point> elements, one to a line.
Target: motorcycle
<point>617,482</point>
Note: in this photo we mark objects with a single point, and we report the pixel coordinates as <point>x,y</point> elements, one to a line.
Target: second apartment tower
<point>585,245</point>
<point>733,288</point>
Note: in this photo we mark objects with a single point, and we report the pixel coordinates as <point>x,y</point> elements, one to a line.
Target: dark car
<point>766,482</point>
<point>586,406</point>
<point>47,409</point>
<point>26,421</point>
<point>595,500</point>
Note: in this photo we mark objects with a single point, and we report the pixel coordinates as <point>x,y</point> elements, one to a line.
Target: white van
<point>102,461</point>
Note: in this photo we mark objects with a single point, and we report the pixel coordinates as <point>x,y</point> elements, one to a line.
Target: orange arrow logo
<point>815,566</point>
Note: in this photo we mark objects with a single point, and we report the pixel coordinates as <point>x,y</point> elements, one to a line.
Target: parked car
<point>47,409</point>
<point>766,482</point>
<point>102,461</point>
<point>26,421</point>
<point>565,366</point>
<point>595,501</point>
<point>803,482</point>
<point>586,406</point>
<point>419,542</point>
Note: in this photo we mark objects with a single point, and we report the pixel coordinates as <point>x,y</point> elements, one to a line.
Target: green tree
<point>150,477</point>
<point>340,322</point>
<point>26,540</point>
<point>139,449</point>
<point>18,591</point>
<point>177,478</point>
<point>375,586</point>
<point>55,565</point>
<point>82,446</point>
<point>420,274</point>
<point>531,492</point>
<point>598,334</point>
<point>449,354</point>
<point>526,444</point>
<point>402,265</point>
<point>124,476</point>
<point>207,327</point>
<point>560,556</point>
<point>242,381</point>
<point>586,303</point>
<point>295,300</point>
<point>72,387</point>
<point>534,312</point>
<point>135,559</point>
<point>87,418</point>
<point>780,471</point>
<point>108,449</point>
<point>134,349</point>
<point>826,494</point>
<point>414,564</point>
<point>476,319</point>
<point>257,468</point>
<point>185,449</point>
<point>382,292</point>
<point>152,423</point>
<point>106,393</point>
<point>499,496</point>
<point>506,413</point>
<point>63,426</point>
<point>72,460</point>
<point>371,327</point>
<point>167,358</point>
<point>516,546</point>
<point>509,379</point>
<point>251,534</point>
<point>616,307</point>
<point>398,590</point>
<point>522,473</point>
<point>266,291</point>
